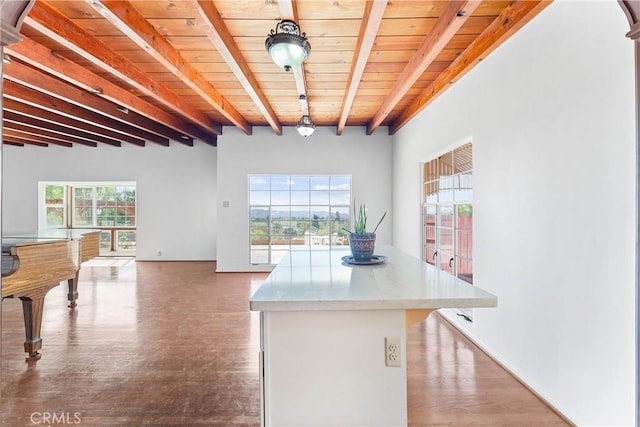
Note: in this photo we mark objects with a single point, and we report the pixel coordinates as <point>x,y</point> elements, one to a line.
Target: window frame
<point>69,208</point>
<point>447,183</point>
<point>328,195</point>
<point>47,206</point>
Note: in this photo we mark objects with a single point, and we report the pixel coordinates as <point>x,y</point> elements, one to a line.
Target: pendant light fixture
<point>286,45</point>
<point>305,126</point>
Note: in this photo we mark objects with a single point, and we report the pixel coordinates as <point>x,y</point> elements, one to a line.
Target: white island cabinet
<point>333,335</point>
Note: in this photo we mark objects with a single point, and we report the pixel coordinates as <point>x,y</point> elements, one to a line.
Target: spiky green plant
<point>360,220</point>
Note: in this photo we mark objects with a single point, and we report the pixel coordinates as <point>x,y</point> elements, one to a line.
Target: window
<point>55,205</point>
<point>115,206</point>
<point>83,207</point>
<point>288,211</point>
<point>107,206</point>
<point>448,212</point>
<point>104,206</point>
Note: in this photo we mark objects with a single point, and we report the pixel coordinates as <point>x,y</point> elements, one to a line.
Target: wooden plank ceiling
<point>179,71</point>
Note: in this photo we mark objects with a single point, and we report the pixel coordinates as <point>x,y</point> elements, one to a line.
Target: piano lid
<point>8,243</point>
<point>50,233</point>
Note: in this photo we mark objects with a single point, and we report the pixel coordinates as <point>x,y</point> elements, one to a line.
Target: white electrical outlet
<point>393,351</point>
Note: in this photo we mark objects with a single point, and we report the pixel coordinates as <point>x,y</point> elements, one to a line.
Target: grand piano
<point>34,263</point>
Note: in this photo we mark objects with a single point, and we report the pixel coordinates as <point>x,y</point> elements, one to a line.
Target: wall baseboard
<point>451,317</point>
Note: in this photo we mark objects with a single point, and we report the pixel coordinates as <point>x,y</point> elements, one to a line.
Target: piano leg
<point>72,296</point>
<point>32,311</point>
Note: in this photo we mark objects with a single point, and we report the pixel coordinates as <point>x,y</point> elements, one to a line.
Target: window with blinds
<point>448,212</point>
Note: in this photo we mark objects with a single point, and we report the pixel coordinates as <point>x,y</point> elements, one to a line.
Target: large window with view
<point>301,211</point>
<point>110,207</point>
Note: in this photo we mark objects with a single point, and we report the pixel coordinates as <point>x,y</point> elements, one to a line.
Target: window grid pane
<point>296,210</point>
<point>83,206</point>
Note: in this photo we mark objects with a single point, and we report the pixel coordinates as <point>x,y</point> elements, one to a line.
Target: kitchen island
<point>333,334</point>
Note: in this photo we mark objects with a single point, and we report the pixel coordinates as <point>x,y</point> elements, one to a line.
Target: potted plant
<point>362,242</point>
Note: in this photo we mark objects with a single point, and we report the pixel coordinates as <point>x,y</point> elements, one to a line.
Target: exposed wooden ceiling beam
<point>7,140</point>
<point>30,138</point>
<point>362,44</point>
<point>374,11</point>
<point>219,35</point>
<point>65,32</point>
<point>44,59</point>
<point>89,139</point>
<point>52,119</point>
<point>8,124</point>
<point>17,142</point>
<point>447,25</point>
<point>510,20</point>
<point>130,22</point>
<point>33,97</point>
<point>33,78</point>
<point>123,120</point>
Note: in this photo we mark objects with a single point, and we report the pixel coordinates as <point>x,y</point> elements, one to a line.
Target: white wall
<point>176,189</point>
<point>366,158</point>
<point>321,368</point>
<point>551,117</point>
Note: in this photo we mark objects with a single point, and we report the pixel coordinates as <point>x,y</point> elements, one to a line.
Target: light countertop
<point>320,280</point>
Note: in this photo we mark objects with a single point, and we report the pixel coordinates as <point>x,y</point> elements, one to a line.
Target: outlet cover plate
<point>393,351</point>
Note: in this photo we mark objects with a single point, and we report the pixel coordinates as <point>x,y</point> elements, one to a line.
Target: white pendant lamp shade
<point>287,47</point>
<point>305,126</point>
